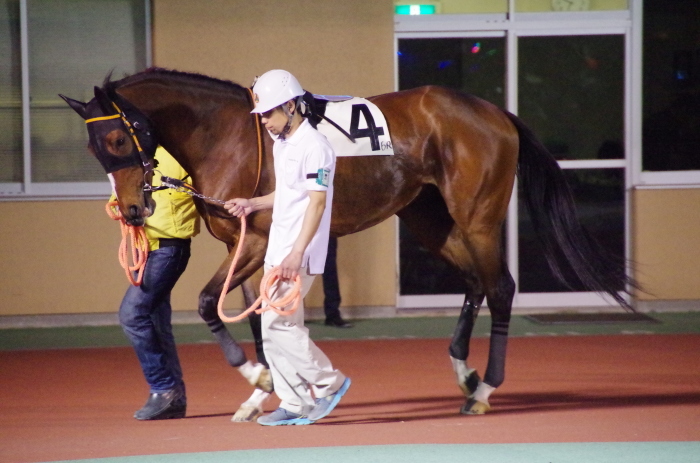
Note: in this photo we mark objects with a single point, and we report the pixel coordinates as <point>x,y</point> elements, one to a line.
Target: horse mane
<point>110,86</point>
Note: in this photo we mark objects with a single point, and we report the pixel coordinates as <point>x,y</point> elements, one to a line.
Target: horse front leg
<point>253,407</point>
<point>256,374</point>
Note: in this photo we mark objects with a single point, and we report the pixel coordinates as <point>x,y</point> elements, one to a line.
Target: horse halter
<point>138,157</point>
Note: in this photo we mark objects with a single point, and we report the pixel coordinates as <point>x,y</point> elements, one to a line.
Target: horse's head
<point>123,140</point>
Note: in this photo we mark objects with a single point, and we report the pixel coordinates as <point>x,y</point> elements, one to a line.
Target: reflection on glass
<point>11,168</point>
<point>73,46</point>
<point>569,5</point>
<point>571,93</point>
<point>671,85</point>
<point>599,197</point>
<point>473,65</point>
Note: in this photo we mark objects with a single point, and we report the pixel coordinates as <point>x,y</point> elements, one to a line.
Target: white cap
<point>274,88</point>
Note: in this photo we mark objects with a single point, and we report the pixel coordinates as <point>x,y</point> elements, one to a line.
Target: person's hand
<point>239,206</point>
<point>289,268</point>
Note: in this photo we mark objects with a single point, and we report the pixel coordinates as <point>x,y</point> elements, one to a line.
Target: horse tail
<point>552,209</point>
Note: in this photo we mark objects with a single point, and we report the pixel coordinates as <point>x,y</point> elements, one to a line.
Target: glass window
<point>72,46</point>
<point>569,5</point>
<point>600,203</point>
<point>473,65</point>
<point>571,93</point>
<point>671,86</point>
<point>10,93</point>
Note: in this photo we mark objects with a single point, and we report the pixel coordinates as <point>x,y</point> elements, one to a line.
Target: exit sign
<point>414,9</point>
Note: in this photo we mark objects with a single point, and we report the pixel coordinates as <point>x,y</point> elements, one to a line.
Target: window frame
<point>626,23</point>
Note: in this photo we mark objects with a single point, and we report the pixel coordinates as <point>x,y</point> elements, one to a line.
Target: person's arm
<point>289,268</point>
<point>242,206</point>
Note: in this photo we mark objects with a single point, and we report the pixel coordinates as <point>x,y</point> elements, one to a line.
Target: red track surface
<point>76,404</point>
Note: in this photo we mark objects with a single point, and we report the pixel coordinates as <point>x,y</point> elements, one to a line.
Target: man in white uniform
<point>301,216</point>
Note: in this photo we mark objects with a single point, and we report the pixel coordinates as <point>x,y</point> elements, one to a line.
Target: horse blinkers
<point>123,141</point>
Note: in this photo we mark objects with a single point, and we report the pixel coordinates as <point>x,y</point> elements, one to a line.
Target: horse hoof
<point>469,383</point>
<point>246,414</point>
<point>264,381</point>
<point>474,407</point>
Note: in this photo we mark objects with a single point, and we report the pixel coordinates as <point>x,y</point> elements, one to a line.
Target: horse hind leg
<point>431,223</point>
<point>467,378</point>
<point>499,288</point>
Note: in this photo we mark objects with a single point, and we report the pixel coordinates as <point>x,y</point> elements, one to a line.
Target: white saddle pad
<point>362,120</point>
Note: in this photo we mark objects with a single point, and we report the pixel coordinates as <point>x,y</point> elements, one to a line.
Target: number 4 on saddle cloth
<point>353,126</point>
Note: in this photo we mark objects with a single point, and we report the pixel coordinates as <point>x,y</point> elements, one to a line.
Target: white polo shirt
<point>303,162</point>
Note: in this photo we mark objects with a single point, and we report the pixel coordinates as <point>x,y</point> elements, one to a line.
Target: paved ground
<point>572,394</point>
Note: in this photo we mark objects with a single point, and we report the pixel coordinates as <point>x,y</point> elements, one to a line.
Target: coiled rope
<point>268,281</point>
<point>139,246</point>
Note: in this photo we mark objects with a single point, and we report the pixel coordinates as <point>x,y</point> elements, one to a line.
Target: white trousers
<point>299,368</point>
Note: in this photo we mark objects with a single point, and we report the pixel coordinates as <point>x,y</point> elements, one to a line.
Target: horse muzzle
<point>136,215</point>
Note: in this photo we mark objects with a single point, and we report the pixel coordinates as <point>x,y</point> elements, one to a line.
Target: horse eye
<point>121,141</point>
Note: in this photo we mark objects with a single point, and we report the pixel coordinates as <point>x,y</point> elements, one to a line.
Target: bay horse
<point>450,181</point>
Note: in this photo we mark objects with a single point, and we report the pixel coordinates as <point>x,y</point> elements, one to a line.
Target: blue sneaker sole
<point>294,422</point>
<point>338,395</point>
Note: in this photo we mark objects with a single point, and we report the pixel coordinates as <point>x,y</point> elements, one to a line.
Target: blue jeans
<point>145,316</point>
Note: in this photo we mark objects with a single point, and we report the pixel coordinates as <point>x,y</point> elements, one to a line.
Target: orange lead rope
<point>268,281</point>
<point>270,277</point>
<point>139,246</point>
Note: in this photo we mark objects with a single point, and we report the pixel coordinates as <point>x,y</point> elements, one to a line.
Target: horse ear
<point>78,107</point>
<point>104,101</point>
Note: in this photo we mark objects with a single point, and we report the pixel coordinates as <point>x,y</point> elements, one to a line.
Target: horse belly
<point>367,191</point>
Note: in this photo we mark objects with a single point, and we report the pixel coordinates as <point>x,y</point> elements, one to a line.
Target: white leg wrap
<point>251,408</point>
<point>461,369</point>
<point>483,392</point>
<point>251,371</point>
<point>257,398</point>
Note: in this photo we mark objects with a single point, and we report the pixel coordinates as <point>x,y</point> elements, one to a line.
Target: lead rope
<point>139,246</point>
<point>266,285</point>
<point>271,277</point>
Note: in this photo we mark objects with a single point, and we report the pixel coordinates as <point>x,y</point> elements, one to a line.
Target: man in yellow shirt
<point>145,312</point>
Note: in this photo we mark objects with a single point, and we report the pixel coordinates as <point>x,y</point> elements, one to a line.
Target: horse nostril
<point>133,211</point>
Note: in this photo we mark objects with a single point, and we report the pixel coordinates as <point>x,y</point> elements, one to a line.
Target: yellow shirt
<point>175,215</point>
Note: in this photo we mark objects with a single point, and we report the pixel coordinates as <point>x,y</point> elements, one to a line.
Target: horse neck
<point>211,135</point>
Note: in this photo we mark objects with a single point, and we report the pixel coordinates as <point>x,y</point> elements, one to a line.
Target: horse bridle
<point>111,163</point>
<point>145,161</point>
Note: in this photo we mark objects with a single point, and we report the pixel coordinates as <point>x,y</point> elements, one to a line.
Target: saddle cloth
<point>353,126</point>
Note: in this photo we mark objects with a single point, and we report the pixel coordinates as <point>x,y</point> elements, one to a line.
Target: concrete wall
<point>61,256</point>
<point>666,243</point>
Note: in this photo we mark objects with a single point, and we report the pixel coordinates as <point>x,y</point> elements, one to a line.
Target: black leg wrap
<point>234,354</point>
<point>459,347</point>
<point>495,370</point>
